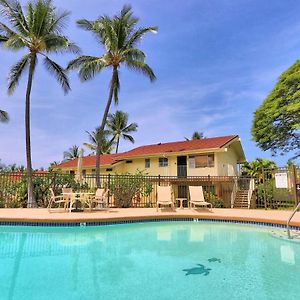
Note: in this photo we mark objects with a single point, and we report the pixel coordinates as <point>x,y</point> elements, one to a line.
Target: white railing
<point>233,193</point>
<point>290,219</point>
<point>250,191</point>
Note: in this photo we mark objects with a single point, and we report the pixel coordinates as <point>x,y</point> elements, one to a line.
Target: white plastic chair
<point>61,199</point>
<point>197,197</point>
<point>164,196</point>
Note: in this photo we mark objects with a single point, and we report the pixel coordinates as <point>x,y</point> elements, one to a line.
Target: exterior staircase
<point>241,199</point>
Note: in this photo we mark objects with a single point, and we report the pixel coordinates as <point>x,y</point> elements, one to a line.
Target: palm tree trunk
<point>31,200</point>
<point>118,141</point>
<point>103,123</point>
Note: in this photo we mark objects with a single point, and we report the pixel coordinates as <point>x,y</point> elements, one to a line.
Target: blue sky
<point>215,62</point>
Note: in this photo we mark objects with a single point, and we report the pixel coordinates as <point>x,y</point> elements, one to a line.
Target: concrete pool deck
<point>119,214</point>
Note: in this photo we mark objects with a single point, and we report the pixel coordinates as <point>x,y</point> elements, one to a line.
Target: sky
<point>215,62</point>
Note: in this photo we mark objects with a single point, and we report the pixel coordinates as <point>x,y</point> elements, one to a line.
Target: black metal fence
<point>140,191</point>
<point>278,188</point>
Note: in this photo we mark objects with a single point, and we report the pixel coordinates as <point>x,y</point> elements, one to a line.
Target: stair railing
<point>250,191</point>
<point>290,219</point>
<point>233,194</point>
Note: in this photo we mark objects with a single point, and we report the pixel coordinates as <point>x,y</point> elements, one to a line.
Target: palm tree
<point>38,30</point>
<point>257,167</point>
<point>197,135</point>
<point>106,143</point>
<point>71,153</point>
<point>119,37</point>
<point>117,125</point>
<point>3,116</point>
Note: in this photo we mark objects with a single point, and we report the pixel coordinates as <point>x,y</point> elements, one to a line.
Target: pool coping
<point>143,215</point>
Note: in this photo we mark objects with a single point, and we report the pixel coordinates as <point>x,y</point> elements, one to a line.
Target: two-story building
<point>218,156</point>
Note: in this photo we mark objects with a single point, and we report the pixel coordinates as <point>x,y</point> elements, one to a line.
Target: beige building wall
<point>225,164</point>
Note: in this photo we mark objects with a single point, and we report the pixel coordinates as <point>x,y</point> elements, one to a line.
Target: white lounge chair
<point>61,199</point>
<point>164,196</point>
<point>197,197</point>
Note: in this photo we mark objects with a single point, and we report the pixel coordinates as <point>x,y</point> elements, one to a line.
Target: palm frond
<point>136,36</point>
<point>141,67</point>
<point>88,66</point>
<point>3,116</point>
<point>59,44</point>
<point>16,72</point>
<point>85,24</point>
<point>12,11</point>
<point>58,72</point>
<point>128,137</point>
<point>134,54</point>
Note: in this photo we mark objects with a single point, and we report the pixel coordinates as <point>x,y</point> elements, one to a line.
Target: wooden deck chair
<point>57,200</point>
<point>164,196</point>
<point>197,197</point>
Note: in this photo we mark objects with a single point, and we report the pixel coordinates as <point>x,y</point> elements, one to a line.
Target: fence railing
<point>219,190</point>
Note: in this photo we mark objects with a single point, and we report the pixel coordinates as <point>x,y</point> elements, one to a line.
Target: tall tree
<point>71,153</point>
<point>38,29</point>
<point>117,125</point>
<point>197,135</point>
<point>119,37</point>
<point>3,116</point>
<point>106,143</point>
<point>276,123</point>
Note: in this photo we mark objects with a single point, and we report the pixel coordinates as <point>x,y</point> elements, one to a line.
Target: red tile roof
<point>90,161</point>
<point>161,148</point>
<point>201,144</point>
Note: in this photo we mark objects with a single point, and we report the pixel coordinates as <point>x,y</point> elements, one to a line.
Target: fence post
<point>264,184</point>
<point>294,172</point>
<point>159,179</point>
<point>108,187</point>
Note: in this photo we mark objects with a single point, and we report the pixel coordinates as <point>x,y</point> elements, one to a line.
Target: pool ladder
<point>290,219</point>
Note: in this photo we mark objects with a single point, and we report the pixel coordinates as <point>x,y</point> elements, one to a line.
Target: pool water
<point>164,260</point>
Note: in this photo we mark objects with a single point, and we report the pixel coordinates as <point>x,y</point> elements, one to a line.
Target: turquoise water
<point>176,260</point>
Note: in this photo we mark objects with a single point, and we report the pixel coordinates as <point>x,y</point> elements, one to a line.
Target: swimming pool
<point>163,260</point>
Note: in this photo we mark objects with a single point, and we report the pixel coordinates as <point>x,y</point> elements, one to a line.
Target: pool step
<point>241,199</point>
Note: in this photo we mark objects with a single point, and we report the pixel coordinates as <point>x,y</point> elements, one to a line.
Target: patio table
<point>75,197</point>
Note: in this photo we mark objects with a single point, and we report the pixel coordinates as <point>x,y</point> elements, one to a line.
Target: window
<point>147,163</point>
<point>93,171</point>
<point>109,170</point>
<point>128,161</point>
<point>162,162</point>
<point>83,172</point>
<point>201,161</point>
<point>72,172</point>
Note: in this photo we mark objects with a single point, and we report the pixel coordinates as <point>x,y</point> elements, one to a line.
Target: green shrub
<point>126,186</point>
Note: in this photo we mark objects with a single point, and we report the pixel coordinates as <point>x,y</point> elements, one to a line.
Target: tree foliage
<point>118,127</point>
<point>107,143</point>
<point>120,37</point>
<point>276,123</point>
<point>71,153</point>
<point>197,135</point>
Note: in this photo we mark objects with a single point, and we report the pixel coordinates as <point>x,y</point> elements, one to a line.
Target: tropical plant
<point>106,143</point>
<point>126,187</point>
<point>197,135</point>
<point>276,123</point>
<point>119,37</point>
<point>117,125</point>
<point>255,168</point>
<point>3,116</point>
<point>72,153</point>
<point>38,29</point>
